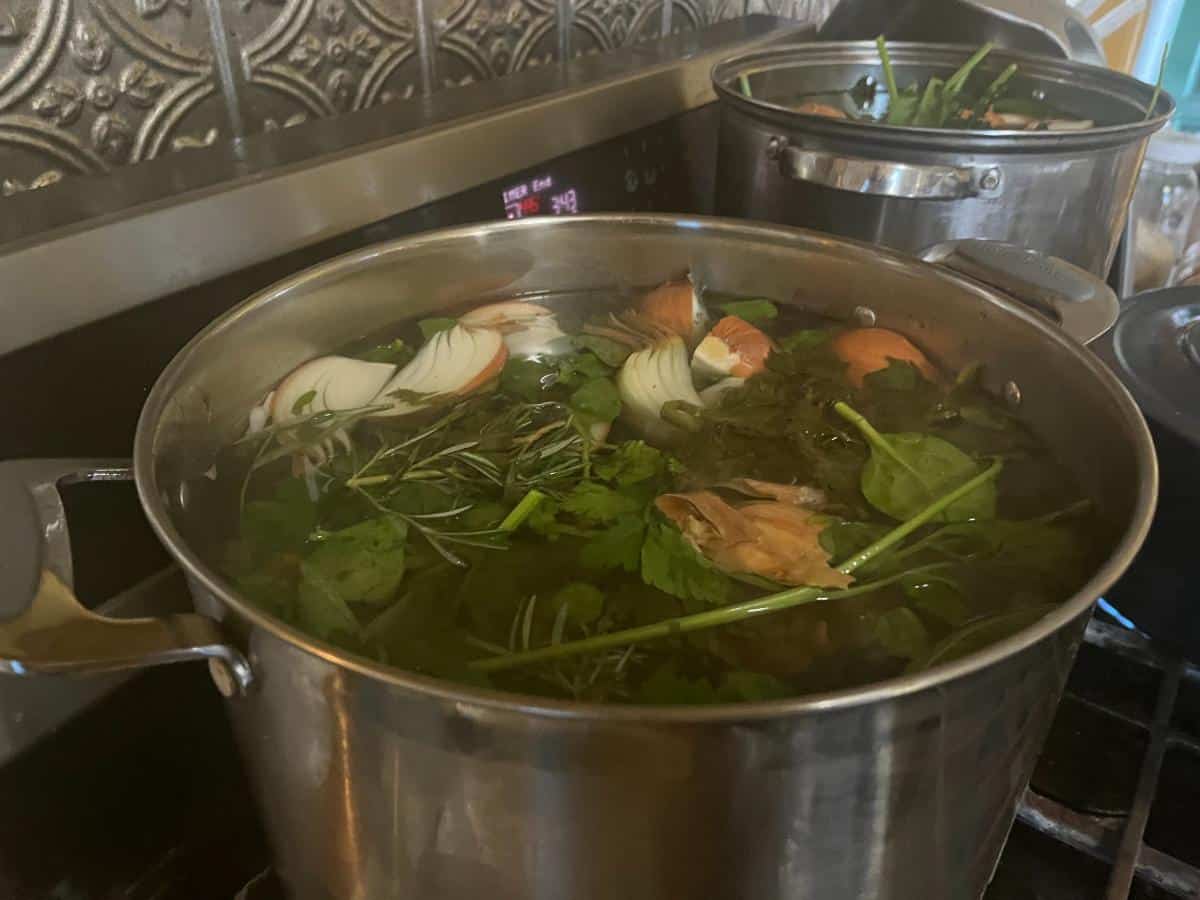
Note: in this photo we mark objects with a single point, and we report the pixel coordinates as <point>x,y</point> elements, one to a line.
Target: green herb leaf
<point>617,547</point>
<point>597,401</point>
<point>666,687</point>
<point>751,687</point>
<point>302,401</point>
<point>597,503</point>
<point>630,463</point>
<point>755,312</point>
<point>526,378</point>
<point>584,602</point>
<point>898,376</point>
<point>901,634</point>
<point>361,564</point>
<point>581,368</point>
<point>804,339</point>
<point>610,352</point>
<point>672,565</point>
<point>430,327</point>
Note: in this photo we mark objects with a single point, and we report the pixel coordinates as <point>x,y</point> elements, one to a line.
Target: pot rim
<point>1116,85</point>
<point>498,701</point>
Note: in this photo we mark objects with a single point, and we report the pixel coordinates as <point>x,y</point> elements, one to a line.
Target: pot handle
<point>44,629</point>
<point>883,178</point>
<point>1083,305</point>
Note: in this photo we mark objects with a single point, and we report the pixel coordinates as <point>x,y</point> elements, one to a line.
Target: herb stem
<point>725,615</point>
<point>1162,70</point>
<point>739,612</point>
<point>367,480</point>
<point>888,75</point>
<point>875,439</point>
<point>522,511</point>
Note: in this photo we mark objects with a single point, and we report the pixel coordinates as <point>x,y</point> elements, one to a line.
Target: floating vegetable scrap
<point>602,499</point>
<point>960,101</point>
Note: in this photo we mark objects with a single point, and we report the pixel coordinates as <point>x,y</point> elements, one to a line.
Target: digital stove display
<point>540,196</point>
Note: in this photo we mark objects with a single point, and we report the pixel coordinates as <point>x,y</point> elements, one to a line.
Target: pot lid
<point>1155,350</point>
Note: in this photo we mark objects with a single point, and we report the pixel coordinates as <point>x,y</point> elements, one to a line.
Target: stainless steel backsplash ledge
<point>151,230</point>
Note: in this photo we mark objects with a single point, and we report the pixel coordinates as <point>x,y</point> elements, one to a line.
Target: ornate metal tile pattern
<point>301,59</point>
<point>86,85</point>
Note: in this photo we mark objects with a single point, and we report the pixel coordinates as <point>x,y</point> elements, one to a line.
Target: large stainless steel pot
<point>377,784</point>
<point>1060,193</point>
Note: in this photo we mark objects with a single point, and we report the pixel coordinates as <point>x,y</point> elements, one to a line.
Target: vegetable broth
<point>538,510</point>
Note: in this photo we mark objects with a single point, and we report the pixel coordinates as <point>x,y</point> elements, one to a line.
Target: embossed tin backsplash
<point>87,85</point>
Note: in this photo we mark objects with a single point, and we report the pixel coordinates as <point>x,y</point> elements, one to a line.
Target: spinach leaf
<point>804,339</point>
<point>977,635</point>
<point>672,565</point>
<point>907,471</point>
<point>430,327</point>
<point>1043,552</point>
<point>617,547</point>
<point>756,312</point>
<point>901,634</point>
<point>360,564</point>
<point>321,609</point>
<point>841,540</point>
<point>610,352</point>
<point>282,523</point>
<point>938,597</point>
<point>900,375</point>
<point>597,401</point>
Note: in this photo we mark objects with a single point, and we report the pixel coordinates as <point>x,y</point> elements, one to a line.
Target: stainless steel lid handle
<point>1084,306</point>
<point>44,629</point>
<point>883,178</point>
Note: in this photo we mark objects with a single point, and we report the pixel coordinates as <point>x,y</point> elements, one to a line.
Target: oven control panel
<point>668,167</point>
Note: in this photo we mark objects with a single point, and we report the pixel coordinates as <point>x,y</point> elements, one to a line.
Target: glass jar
<point>1164,205</point>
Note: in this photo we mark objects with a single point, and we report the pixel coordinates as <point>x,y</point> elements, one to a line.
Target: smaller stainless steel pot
<point>1061,193</point>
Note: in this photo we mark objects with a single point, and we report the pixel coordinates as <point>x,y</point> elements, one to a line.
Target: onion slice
<point>454,362</point>
<point>676,308</point>
<point>652,377</point>
<point>733,347</point>
<point>327,383</point>
<point>529,329</point>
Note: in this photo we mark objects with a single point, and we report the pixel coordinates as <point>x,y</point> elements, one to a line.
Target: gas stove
<point>131,787</point>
